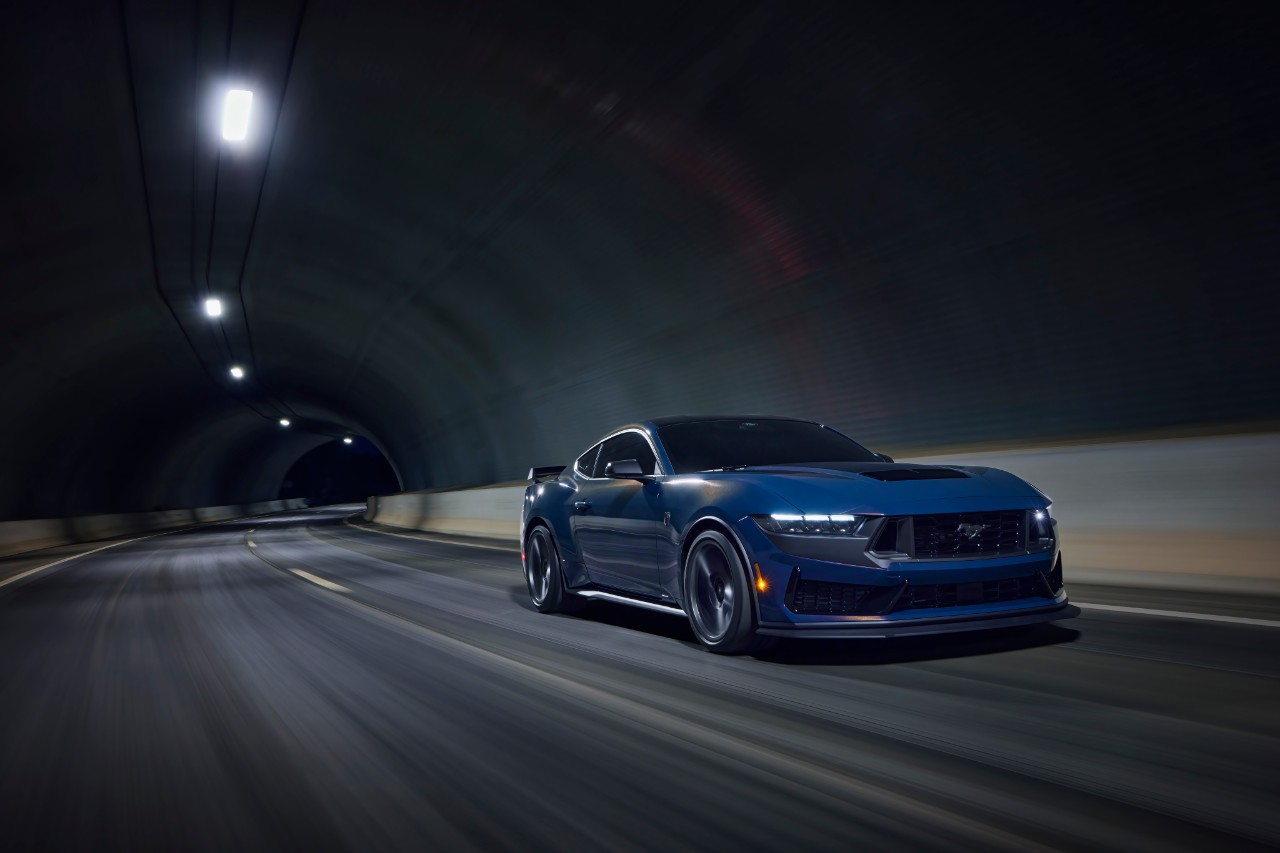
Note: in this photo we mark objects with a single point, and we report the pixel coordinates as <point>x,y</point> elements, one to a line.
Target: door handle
<point>583,506</point>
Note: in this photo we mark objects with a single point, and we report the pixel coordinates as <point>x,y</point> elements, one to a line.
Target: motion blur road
<point>300,682</point>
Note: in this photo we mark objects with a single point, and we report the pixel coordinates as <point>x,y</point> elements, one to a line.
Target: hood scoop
<point>897,475</point>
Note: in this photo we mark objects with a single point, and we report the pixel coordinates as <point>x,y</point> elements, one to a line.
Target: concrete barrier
<point>492,512</point>
<point>30,535</point>
<point>1189,513</point>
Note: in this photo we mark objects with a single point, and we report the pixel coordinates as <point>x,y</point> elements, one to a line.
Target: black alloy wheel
<point>718,597</point>
<point>543,576</point>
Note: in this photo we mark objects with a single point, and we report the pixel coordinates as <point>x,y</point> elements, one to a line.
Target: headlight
<point>1040,530</point>
<point>820,525</point>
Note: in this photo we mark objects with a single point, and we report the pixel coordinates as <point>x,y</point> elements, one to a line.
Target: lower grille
<point>978,592</point>
<point>969,534</point>
<point>839,599</point>
<point>1055,576</point>
<point>848,599</point>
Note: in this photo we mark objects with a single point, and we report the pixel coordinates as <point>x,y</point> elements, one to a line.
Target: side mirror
<point>884,457</point>
<point>624,469</point>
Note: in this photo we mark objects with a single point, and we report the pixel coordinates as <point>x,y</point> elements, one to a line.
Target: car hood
<point>890,488</point>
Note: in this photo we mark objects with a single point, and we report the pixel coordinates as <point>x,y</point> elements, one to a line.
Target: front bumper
<point>802,596</point>
<point>880,627</point>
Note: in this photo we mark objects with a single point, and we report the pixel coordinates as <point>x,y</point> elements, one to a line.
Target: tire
<point>718,598</point>
<point>542,574</point>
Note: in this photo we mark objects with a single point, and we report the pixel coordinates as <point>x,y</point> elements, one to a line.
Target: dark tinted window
<point>586,462</point>
<point>704,445</point>
<point>628,445</point>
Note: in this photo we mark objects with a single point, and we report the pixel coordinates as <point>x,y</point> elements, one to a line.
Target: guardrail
<point>1190,513</point>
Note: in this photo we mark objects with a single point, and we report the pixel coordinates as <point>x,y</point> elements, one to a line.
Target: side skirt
<point>597,595</point>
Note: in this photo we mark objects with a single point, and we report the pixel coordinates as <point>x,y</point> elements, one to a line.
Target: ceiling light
<point>235,114</point>
<point>213,307</point>
<point>284,422</point>
<point>347,440</point>
<point>237,372</point>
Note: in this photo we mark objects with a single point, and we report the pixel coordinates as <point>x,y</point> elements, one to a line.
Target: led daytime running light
<point>822,525</point>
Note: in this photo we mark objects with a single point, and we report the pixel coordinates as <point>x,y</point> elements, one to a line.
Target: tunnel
<point>296,293</point>
<point>481,237</point>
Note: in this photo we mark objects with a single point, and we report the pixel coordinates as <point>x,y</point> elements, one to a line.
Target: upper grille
<point>970,534</point>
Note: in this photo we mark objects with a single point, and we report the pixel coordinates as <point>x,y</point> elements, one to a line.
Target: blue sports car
<point>760,527</point>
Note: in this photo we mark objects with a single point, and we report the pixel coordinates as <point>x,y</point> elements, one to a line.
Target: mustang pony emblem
<point>971,531</point>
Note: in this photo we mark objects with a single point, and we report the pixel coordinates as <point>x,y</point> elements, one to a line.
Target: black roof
<point>686,419</point>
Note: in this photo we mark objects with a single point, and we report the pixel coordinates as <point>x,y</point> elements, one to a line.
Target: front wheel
<point>718,597</point>
<point>543,576</point>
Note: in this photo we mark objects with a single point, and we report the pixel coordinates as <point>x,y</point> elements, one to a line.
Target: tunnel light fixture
<point>284,422</point>
<point>235,114</point>
<point>347,440</point>
<point>237,372</point>
<point>213,307</point>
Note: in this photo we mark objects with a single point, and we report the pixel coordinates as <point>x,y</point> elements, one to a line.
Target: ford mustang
<point>759,527</point>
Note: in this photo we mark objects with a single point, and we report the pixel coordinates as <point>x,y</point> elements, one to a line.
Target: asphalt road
<point>335,687</point>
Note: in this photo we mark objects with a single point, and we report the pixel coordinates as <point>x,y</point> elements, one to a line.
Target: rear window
<point>710,445</point>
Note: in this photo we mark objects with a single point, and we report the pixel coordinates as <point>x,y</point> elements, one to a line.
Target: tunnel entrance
<point>337,473</point>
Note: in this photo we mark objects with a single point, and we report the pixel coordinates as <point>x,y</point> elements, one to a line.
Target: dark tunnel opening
<point>338,472</point>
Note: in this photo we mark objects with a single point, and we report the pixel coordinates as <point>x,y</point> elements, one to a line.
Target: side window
<point>629,445</point>
<point>586,462</point>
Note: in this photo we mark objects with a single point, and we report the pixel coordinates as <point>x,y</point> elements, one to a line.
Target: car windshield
<point>712,445</point>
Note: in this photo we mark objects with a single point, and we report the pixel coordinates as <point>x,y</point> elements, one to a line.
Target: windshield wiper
<point>730,468</point>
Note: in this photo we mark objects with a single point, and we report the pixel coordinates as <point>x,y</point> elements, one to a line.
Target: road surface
<point>300,682</point>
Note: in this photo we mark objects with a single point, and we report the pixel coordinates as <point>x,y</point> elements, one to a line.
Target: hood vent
<point>895,475</point>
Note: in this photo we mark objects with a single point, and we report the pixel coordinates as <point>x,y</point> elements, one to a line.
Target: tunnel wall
<point>20,536</point>
<point>1194,513</point>
<point>483,234</point>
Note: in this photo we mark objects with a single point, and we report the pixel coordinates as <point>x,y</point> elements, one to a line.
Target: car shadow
<point>620,616</point>
<point>878,652</point>
<point>637,619</point>
<point>853,652</point>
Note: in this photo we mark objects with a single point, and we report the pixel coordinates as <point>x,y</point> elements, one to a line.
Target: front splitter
<point>880,629</point>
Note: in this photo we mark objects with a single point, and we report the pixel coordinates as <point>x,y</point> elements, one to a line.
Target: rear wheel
<point>718,597</point>
<point>543,576</point>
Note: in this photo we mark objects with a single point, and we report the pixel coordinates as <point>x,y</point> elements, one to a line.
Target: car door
<point>617,521</point>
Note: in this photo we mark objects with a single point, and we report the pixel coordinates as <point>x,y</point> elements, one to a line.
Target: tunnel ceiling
<point>480,234</point>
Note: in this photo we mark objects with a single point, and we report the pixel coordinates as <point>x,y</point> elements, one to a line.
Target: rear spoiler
<point>541,475</point>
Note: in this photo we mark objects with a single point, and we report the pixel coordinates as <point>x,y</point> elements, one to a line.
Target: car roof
<point>687,419</point>
<point>668,420</point>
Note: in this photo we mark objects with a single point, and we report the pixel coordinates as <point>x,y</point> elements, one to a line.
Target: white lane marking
<point>507,550</point>
<point>845,790</point>
<point>251,544</point>
<point>319,581</point>
<point>1181,614</point>
<point>30,572</point>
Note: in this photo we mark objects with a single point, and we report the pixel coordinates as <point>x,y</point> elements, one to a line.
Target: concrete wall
<point>491,511</point>
<point>1193,513</point>
<point>1182,513</point>
<point>30,535</point>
